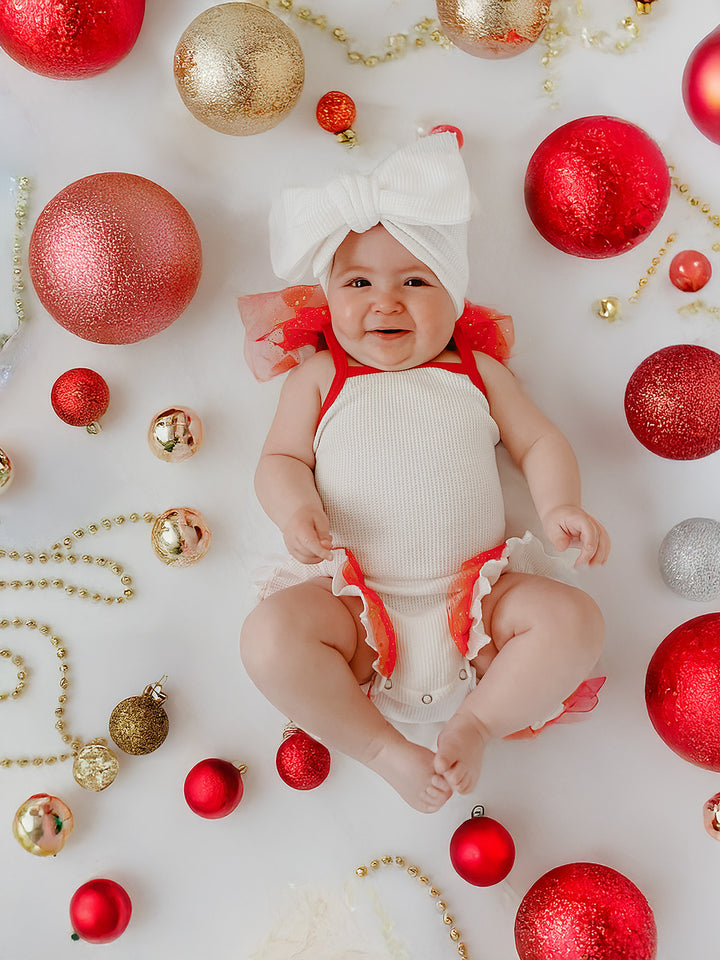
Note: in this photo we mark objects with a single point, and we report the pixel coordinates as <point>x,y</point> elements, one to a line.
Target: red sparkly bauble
<point>80,396</point>
<point>585,911</point>
<point>596,187</point>
<point>690,270</point>
<point>70,39</point>
<point>682,690</point>
<point>672,402</point>
<point>213,788</point>
<point>335,111</point>
<point>302,762</point>
<point>701,86</point>
<point>115,258</point>
<point>449,128</point>
<point>482,851</point>
<point>100,911</point>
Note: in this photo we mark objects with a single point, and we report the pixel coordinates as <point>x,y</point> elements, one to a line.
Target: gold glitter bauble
<point>95,766</point>
<point>493,28</point>
<point>6,471</point>
<point>180,536</point>
<point>139,725</point>
<point>42,825</point>
<point>175,434</point>
<point>239,69</point>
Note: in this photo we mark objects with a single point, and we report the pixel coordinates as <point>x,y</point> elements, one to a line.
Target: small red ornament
<point>449,128</point>
<point>690,270</point>
<point>100,911</point>
<point>585,911</point>
<point>481,850</point>
<point>336,113</point>
<point>682,690</point>
<point>80,397</point>
<point>672,402</point>
<point>701,86</point>
<point>596,186</point>
<point>213,788</point>
<point>70,39</point>
<point>302,762</point>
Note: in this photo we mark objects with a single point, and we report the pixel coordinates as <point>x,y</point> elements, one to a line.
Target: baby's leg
<point>304,649</point>
<point>546,637</point>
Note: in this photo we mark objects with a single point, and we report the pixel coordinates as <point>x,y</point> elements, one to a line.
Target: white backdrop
<point>606,789</point>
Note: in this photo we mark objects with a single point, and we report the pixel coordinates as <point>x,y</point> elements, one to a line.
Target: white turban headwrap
<point>420,194</point>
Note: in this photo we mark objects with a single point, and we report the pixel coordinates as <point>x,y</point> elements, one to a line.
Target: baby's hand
<point>307,535</point>
<point>569,526</point>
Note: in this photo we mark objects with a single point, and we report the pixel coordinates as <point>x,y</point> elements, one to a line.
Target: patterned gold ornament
<point>493,28</point>
<point>6,471</point>
<point>175,434</point>
<point>180,536</point>
<point>42,825</point>
<point>95,766</point>
<point>139,725</point>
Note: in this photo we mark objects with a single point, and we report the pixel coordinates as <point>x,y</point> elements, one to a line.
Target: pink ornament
<point>214,788</point>
<point>481,850</point>
<point>701,86</point>
<point>100,911</point>
<point>690,270</point>
<point>115,258</point>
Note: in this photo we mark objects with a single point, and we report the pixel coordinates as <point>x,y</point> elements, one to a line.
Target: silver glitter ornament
<point>689,559</point>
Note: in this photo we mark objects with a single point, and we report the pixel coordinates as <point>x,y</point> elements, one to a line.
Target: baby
<point>402,602</point>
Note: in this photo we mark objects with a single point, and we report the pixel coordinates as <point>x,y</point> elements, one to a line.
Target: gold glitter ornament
<point>239,69</point>
<point>6,471</point>
<point>139,725</point>
<point>175,434</point>
<point>180,536</point>
<point>42,824</point>
<point>493,28</point>
<point>95,766</point>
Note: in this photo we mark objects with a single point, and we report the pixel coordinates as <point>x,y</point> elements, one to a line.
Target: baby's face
<point>388,309</point>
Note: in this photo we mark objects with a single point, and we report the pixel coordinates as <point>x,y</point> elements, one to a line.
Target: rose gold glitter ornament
<point>493,28</point>
<point>180,536</point>
<point>115,258</point>
<point>42,825</point>
<point>175,434</point>
<point>711,816</point>
<point>239,69</point>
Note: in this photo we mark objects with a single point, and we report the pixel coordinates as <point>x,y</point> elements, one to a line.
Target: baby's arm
<point>547,460</point>
<point>284,479</point>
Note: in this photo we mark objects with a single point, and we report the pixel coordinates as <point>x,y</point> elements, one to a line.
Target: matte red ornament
<point>682,690</point>
<point>585,911</point>
<point>100,911</point>
<point>302,762</point>
<point>672,402</point>
<point>690,270</point>
<point>70,39</point>
<point>596,187</point>
<point>701,86</point>
<point>115,258</point>
<point>80,397</point>
<point>449,128</point>
<point>336,111</point>
<point>214,788</point>
<point>481,850</point>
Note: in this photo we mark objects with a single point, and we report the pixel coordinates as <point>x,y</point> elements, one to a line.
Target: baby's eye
<point>415,282</point>
<point>359,282</point>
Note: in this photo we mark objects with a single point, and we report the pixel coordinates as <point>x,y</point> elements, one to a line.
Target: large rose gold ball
<point>239,69</point>
<point>492,29</point>
<point>180,536</point>
<point>115,258</point>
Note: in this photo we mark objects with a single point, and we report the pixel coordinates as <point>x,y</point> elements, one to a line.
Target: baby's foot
<point>408,768</point>
<point>460,749</point>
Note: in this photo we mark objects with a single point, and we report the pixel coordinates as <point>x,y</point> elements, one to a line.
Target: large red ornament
<point>80,397</point>
<point>596,186</point>
<point>701,86</point>
<point>585,911</point>
<point>481,850</point>
<point>672,402</point>
<point>70,39</point>
<point>213,788</point>
<point>115,258</point>
<point>302,762</point>
<point>682,690</point>
<point>100,911</point>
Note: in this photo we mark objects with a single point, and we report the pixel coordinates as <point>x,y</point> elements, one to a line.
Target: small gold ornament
<point>175,434</point>
<point>42,825</point>
<point>711,816</point>
<point>95,766</point>
<point>139,725</point>
<point>6,471</point>
<point>180,536</point>
<point>608,308</point>
<point>493,28</point>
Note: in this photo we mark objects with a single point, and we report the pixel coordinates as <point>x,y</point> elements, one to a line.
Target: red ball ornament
<point>213,788</point>
<point>481,850</point>
<point>596,187</point>
<point>335,111</point>
<point>100,911</point>
<point>80,397</point>
<point>70,39</point>
<point>701,86</point>
<point>114,258</point>
<point>302,762</point>
<point>585,911</point>
<point>449,128</point>
<point>690,270</point>
<point>672,402</point>
<point>682,690</point>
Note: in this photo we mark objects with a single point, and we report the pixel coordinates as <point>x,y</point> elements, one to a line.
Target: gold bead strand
<point>702,205</point>
<point>22,199</point>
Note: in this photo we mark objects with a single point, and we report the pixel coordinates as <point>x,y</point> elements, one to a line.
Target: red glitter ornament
<point>690,270</point>
<point>449,128</point>
<point>115,258</point>
<point>70,39</point>
<point>335,111</point>
<point>682,690</point>
<point>672,402</point>
<point>80,397</point>
<point>100,911</point>
<point>214,788</point>
<point>585,911</point>
<point>481,850</point>
<point>596,187</point>
<point>302,762</point>
<point>701,86</point>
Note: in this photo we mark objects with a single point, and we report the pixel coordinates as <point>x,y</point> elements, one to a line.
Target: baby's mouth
<point>389,333</point>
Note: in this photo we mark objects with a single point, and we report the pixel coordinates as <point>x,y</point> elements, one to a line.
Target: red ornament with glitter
<point>689,270</point>
<point>481,850</point>
<point>70,39</point>
<point>682,691</point>
<point>701,86</point>
<point>100,911</point>
<point>585,911</point>
<point>596,187</point>
<point>80,397</point>
<point>214,788</point>
<point>336,113</point>
<point>302,762</point>
<point>115,258</point>
<point>672,402</point>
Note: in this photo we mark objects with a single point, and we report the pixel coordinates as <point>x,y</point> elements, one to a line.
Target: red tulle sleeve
<point>487,331</point>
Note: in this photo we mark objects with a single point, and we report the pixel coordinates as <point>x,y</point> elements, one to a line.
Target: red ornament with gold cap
<point>302,761</point>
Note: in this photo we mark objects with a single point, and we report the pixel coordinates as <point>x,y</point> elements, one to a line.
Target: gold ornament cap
<point>95,766</point>
<point>140,725</point>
